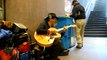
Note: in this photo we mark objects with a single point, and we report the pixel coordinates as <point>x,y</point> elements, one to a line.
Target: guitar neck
<point>60,29</point>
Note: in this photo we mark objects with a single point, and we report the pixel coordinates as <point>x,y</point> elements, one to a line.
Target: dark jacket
<point>43,28</point>
<point>78,12</point>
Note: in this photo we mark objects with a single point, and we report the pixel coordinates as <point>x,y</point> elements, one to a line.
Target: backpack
<point>9,54</point>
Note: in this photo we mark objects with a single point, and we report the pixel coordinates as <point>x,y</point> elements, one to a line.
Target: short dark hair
<point>51,16</point>
<point>74,2</point>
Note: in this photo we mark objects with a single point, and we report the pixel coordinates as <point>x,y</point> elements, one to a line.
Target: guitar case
<point>19,34</point>
<point>19,28</point>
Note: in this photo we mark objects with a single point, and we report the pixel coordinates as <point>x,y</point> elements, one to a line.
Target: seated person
<point>56,47</point>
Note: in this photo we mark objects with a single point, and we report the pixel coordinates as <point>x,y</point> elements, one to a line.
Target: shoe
<point>79,46</point>
<point>66,50</point>
<point>64,53</point>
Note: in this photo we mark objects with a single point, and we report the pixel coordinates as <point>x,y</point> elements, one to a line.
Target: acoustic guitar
<point>47,40</point>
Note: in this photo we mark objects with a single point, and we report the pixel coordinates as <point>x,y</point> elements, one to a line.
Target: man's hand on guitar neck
<point>65,28</point>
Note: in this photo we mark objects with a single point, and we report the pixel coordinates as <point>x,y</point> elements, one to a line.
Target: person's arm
<point>42,29</point>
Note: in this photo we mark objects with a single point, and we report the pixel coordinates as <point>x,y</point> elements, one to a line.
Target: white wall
<point>88,5</point>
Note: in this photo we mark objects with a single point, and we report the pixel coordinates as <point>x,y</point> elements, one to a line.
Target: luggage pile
<point>14,41</point>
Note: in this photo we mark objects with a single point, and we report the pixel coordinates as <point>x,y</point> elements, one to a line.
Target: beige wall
<point>56,6</point>
<point>32,12</point>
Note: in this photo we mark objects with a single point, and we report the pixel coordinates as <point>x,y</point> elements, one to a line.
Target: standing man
<point>78,13</point>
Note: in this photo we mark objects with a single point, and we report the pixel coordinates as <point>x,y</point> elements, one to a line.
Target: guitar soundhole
<point>53,34</point>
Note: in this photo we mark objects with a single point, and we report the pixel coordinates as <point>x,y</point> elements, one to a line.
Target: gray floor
<point>95,48</point>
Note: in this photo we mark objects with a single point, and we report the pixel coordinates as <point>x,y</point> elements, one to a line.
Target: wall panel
<point>32,12</point>
<point>28,12</point>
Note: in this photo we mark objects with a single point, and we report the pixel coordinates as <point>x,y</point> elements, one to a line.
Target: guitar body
<point>45,40</point>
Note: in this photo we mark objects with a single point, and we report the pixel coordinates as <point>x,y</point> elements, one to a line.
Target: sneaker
<point>79,46</point>
<point>64,53</point>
